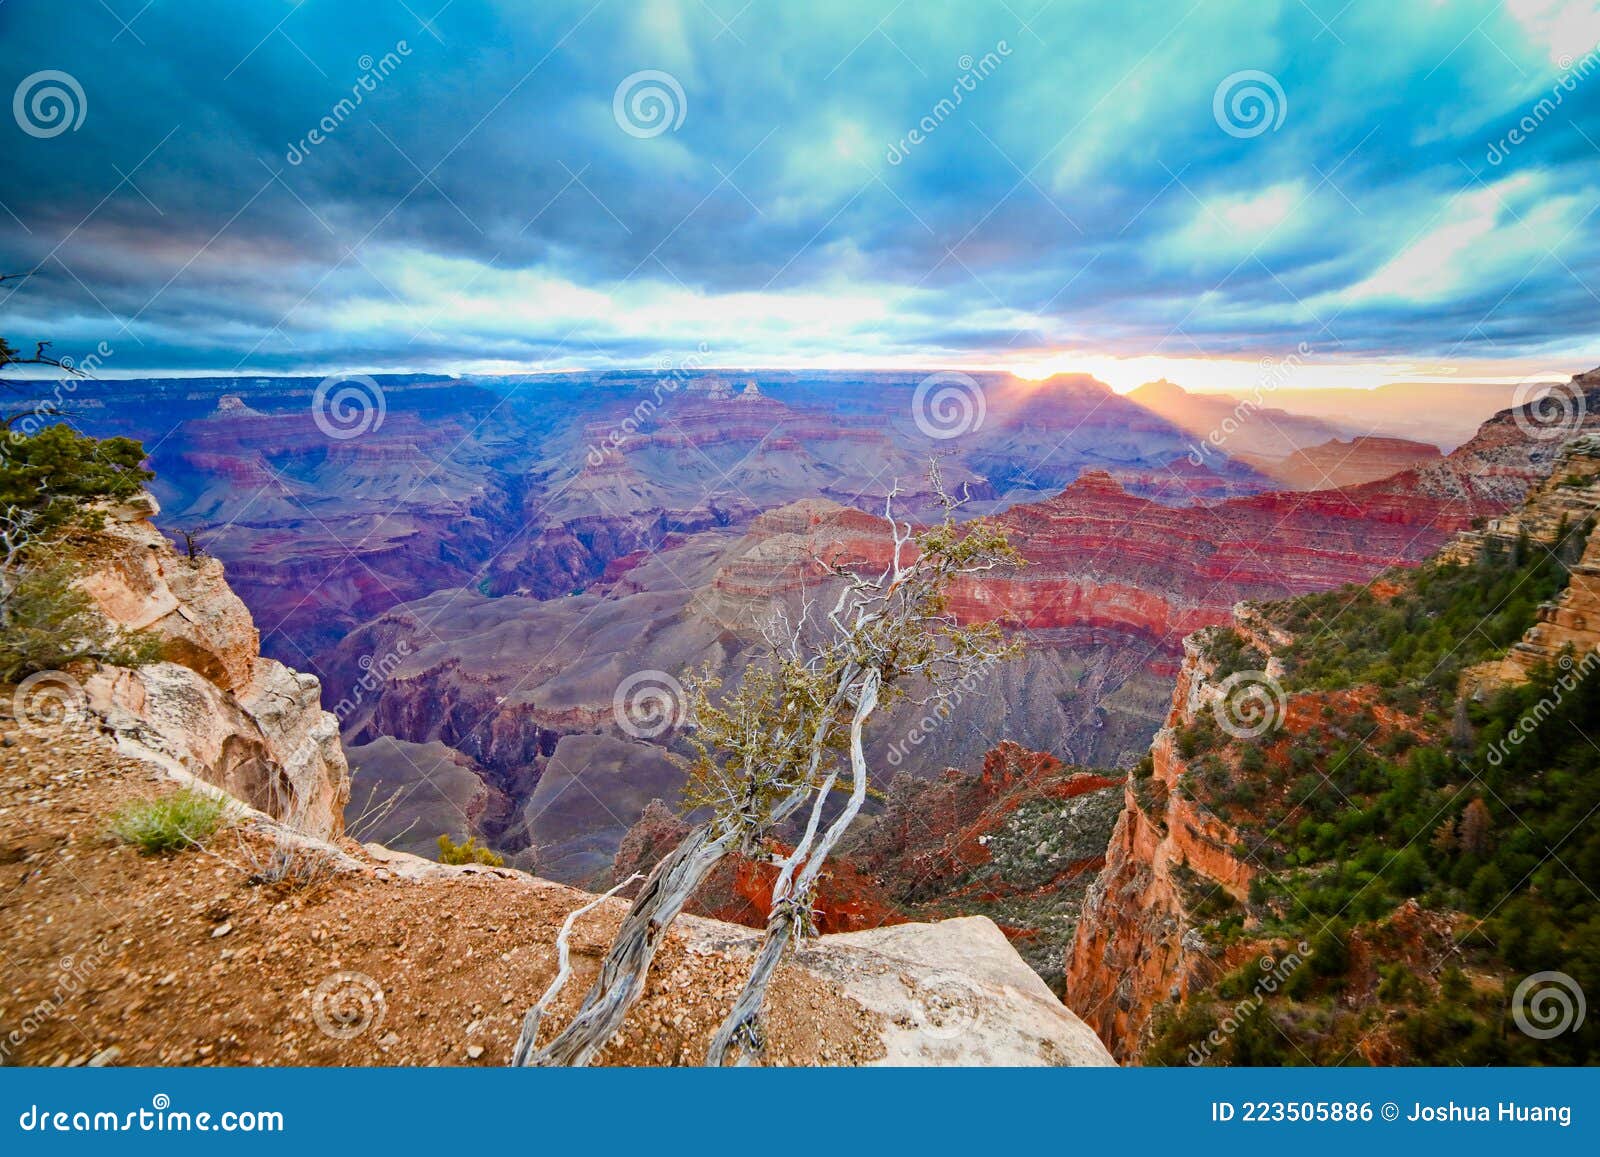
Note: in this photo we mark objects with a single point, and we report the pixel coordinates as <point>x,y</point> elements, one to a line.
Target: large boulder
<point>950,993</point>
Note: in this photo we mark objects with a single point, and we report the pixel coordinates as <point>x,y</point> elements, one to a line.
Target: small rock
<point>221,930</point>
<point>474,1052</point>
<point>106,1056</point>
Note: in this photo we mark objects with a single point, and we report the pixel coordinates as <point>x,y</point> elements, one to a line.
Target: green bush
<point>1445,618</point>
<point>1230,654</point>
<point>169,823</point>
<point>47,624</point>
<point>470,852</point>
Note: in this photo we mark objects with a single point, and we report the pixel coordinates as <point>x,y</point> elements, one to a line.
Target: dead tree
<point>11,356</point>
<point>791,734</point>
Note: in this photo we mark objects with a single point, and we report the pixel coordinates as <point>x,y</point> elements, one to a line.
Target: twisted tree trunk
<point>627,964</point>
<point>792,895</point>
<point>535,1015</point>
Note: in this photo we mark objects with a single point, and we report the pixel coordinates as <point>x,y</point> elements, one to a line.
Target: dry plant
<point>366,825</point>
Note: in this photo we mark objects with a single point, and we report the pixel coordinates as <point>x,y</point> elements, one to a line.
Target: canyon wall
<point>1141,946</point>
<point>1136,947</point>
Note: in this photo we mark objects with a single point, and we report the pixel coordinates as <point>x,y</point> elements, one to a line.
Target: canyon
<point>475,573</point>
<point>1072,816</point>
<point>230,948</point>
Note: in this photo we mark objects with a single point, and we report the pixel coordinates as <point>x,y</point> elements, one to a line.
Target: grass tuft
<point>169,823</point>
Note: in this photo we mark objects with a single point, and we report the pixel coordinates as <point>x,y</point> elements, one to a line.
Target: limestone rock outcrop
<point>213,706</point>
<point>954,993</point>
<point>1134,948</point>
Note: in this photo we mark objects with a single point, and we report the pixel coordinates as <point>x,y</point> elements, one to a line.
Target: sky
<point>1369,191</point>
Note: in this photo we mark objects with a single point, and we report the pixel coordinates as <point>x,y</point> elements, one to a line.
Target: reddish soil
<point>180,959</point>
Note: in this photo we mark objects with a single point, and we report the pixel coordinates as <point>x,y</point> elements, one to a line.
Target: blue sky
<point>1097,199</point>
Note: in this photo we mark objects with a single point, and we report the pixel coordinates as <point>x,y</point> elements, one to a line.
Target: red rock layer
<point>1099,555</point>
<point>739,889</point>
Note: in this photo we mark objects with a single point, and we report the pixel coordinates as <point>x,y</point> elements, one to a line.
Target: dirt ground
<point>111,956</point>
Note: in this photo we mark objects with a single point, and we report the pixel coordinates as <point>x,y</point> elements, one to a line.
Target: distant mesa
<point>1337,463</point>
<point>719,390</point>
<point>233,406</point>
<point>715,389</point>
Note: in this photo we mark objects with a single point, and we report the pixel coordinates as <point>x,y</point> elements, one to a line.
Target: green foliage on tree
<point>1445,618</point>
<point>1230,654</point>
<point>51,479</point>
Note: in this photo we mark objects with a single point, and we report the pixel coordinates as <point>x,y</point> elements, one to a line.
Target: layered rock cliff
<point>1570,624</point>
<point>1136,946</point>
<point>1226,825</point>
<point>212,705</point>
<point>525,689</point>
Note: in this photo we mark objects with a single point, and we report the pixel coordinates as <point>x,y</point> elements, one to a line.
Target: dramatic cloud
<point>506,184</point>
